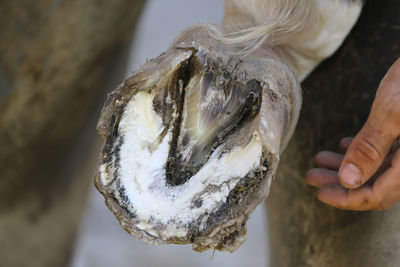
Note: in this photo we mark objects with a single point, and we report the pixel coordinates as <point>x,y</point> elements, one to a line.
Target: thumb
<point>364,156</point>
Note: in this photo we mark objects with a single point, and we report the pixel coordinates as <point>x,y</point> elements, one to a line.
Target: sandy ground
<point>101,241</point>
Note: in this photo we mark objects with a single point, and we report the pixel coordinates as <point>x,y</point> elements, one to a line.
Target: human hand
<point>367,177</point>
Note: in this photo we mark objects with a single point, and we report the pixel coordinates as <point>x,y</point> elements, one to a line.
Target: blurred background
<point>58,61</point>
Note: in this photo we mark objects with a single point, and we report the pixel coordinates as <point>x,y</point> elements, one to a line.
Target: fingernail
<point>350,174</point>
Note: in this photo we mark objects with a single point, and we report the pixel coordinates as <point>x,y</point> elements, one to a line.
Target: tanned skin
<point>367,176</point>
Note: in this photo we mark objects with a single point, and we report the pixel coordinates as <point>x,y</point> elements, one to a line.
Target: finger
<point>345,143</point>
<point>365,154</point>
<point>387,186</point>
<point>328,160</point>
<point>320,177</point>
<point>383,194</point>
<point>348,199</point>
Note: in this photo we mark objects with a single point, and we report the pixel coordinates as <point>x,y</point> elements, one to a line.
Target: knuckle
<point>367,149</point>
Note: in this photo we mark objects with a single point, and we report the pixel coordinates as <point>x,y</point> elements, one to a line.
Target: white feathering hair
<point>307,30</point>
